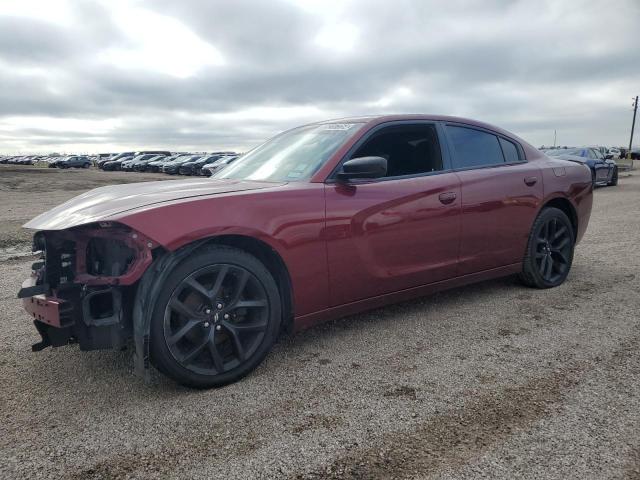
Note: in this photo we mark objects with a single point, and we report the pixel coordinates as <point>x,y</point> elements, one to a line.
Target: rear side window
<point>474,148</point>
<point>511,153</point>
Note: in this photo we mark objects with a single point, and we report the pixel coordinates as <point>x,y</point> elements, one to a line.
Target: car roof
<point>372,120</point>
<point>408,116</point>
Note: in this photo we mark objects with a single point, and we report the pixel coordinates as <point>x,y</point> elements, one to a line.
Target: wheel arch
<point>149,285</point>
<point>271,259</point>
<point>564,204</point>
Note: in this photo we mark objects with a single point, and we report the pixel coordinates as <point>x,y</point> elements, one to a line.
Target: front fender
<point>144,303</point>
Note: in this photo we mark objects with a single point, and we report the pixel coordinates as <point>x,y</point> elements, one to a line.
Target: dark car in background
<point>156,165</point>
<point>603,171</point>
<point>73,161</point>
<point>128,165</point>
<point>101,162</point>
<point>193,168</point>
<point>103,157</point>
<point>116,162</point>
<point>218,165</point>
<point>172,168</point>
<point>141,165</point>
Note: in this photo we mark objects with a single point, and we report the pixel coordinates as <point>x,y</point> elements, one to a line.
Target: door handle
<point>447,197</point>
<point>530,181</point>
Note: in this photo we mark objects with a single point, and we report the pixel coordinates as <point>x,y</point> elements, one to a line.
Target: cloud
<point>112,75</point>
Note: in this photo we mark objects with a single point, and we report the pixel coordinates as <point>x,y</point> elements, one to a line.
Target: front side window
<point>294,155</point>
<point>474,148</point>
<point>597,154</point>
<point>409,149</point>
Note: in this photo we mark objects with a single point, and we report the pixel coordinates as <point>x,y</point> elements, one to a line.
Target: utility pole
<point>633,125</point>
<point>554,138</point>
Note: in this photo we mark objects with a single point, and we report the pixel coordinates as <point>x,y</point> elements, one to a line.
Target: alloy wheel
<point>553,250</point>
<point>216,318</point>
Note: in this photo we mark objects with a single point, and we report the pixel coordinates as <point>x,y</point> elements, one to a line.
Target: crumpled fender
<point>146,297</point>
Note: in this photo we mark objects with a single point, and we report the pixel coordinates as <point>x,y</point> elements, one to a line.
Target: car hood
<point>106,202</point>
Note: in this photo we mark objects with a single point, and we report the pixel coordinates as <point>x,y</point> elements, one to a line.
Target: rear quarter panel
<point>570,180</point>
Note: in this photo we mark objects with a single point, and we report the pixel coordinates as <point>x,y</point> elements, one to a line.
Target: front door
<point>397,232</point>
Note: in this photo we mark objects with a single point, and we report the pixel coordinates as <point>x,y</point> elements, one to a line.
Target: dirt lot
<point>489,381</point>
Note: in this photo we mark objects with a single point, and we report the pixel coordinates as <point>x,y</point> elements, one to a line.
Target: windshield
<point>294,155</point>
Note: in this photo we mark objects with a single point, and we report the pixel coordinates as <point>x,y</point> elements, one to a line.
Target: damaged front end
<point>82,290</point>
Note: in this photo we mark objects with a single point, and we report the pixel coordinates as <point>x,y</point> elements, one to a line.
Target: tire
<point>593,177</point>
<point>549,253</point>
<point>86,165</point>
<point>614,178</point>
<point>216,318</point>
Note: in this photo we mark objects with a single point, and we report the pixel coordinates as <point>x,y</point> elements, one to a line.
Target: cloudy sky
<point>108,75</point>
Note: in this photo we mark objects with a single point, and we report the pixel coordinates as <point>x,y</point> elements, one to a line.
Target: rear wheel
<point>216,318</point>
<point>614,178</point>
<point>549,250</point>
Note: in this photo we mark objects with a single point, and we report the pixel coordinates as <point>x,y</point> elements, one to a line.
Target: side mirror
<point>363,167</point>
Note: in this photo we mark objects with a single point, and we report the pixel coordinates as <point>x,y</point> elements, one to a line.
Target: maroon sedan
<point>322,221</point>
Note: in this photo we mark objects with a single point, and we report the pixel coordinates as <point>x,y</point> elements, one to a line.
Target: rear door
<point>501,193</point>
<point>396,232</point>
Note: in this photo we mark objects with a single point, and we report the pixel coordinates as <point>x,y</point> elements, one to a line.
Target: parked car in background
<point>202,275</point>
<point>172,168</point>
<point>119,156</point>
<point>27,160</point>
<point>156,165</point>
<point>613,153</point>
<point>73,161</point>
<point>141,165</point>
<point>218,165</point>
<point>128,165</point>
<point>115,162</point>
<point>603,171</point>
<point>193,168</point>
<point>221,156</point>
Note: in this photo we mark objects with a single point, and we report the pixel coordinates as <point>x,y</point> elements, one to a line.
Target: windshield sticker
<point>338,126</point>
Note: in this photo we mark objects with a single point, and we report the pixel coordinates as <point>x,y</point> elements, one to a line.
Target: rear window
<point>474,148</point>
<point>511,153</point>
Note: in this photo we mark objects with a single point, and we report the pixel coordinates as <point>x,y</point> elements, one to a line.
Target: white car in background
<point>613,153</point>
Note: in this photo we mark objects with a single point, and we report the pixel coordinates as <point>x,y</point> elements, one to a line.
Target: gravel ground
<point>493,381</point>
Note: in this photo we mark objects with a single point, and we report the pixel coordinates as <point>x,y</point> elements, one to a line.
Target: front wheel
<point>614,178</point>
<point>216,318</point>
<point>549,251</point>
